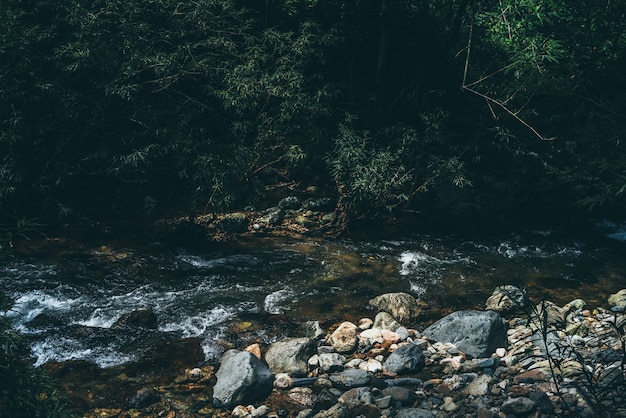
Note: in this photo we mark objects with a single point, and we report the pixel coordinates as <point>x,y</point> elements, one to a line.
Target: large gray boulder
<point>475,333</point>
<point>242,379</point>
<point>290,356</point>
<point>400,305</point>
<point>408,358</point>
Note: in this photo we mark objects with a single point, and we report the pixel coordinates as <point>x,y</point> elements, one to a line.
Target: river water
<point>68,295</point>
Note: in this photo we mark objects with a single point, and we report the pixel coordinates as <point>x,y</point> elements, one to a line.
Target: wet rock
<point>322,204</point>
<point>331,362</point>
<point>236,222</point>
<point>241,379</point>
<point>289,202</point>
<point>304,397</point>
<point>344,339</point>
<point>141,318</point>
<point>283,381</point>
<point>384,321</point>
<point>408,358</point>
<point>403,381</point>
<point>240,411</point>
<point>329,217</point>
<point>478,386</point>
<point>618,299</point>
<point>272,216</point>
<point>415,413</point>
<point>312,330</point>
<point>254,349</point>
<point>44,320</point>
<point>518,406</point>
<point>358,394</point>
<point>475,333</point>
<point>350,378</point>
<point>506,298</point>
<point>449,405</point>
<point>400,305</point>
<point>542,402</point>
<point>365,323</point>
<point>547,314</point>
<point>401,394</point>
<point>305,220</point>
<point>327,398</point>
<point>290,356</point>
<point>144,397</point>
<point>338,410</point>
<point>372,366</point>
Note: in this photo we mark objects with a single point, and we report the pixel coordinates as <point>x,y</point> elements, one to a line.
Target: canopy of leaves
<point>133,107</point>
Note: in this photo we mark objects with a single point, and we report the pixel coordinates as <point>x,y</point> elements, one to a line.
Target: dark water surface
<point>68,295</point>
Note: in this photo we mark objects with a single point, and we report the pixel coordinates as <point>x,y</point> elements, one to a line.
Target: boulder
<point>475,333</point>
<point>141,318</point>
<point>344,339</point>
<point>401,306</point>
<point>289,202</point>
<point>408,358</point>
<point>506,298</point>
<point>618,299</point>
<point>234,222</point>
<point>272,216</point>
<point>242,379</point>
<point>290,356</point>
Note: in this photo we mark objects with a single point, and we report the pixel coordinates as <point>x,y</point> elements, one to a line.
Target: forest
<point>491,109</point>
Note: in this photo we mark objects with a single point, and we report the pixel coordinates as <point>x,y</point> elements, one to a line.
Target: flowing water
<point>69,295</point>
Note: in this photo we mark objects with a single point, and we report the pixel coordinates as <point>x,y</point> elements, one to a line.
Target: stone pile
<point>552,361</point>
<point>542,361</point>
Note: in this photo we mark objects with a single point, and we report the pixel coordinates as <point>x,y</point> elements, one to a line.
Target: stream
<point>68,295</point>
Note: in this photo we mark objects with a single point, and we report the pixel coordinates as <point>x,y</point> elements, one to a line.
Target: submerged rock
<point>141,318</point>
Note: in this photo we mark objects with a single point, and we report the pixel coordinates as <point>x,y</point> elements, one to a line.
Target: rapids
<point>68,297</point>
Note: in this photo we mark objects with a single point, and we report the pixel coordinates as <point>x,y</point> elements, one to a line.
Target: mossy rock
<point>234,222</point>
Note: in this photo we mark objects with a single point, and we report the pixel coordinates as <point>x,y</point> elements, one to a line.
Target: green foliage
<point>107,105</point>
<point>25,391</point>
<point>378,174</point>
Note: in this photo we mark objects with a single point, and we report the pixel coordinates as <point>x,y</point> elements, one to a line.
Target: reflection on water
<point>68,303</point>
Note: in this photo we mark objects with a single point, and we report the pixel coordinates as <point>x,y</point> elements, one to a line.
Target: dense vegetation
<point>114,107</point>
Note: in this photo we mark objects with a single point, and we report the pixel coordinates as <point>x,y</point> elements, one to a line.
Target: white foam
<point>33,303</point>
<point>415,261</point>
<point>207,263</point>
<point>100,318</point>
<point>66,349</point>
<point>201,324</point>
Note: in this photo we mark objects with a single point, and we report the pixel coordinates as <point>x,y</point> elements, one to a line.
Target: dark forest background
<point>449,108</point>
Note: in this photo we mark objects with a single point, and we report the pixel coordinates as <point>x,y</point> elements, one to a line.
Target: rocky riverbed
<point>513,358</point>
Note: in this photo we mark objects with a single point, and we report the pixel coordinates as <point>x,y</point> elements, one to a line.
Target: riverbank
<point>545,360</point>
